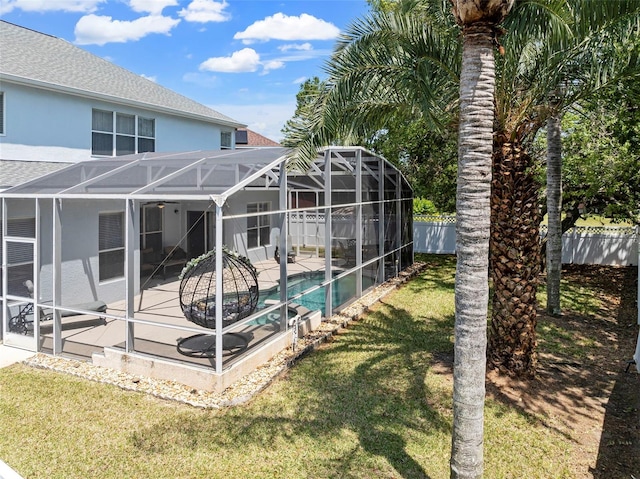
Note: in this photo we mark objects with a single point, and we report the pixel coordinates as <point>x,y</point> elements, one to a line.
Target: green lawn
<point>374,403</point>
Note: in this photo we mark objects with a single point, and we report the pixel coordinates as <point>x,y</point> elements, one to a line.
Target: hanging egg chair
<point>198,289</point>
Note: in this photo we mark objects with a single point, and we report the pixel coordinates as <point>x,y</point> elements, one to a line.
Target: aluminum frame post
<point>219,292</point>
<point>381,219</point>
<point>398,204</point>
<point>283,246</point>
<point>57,274</point>
<point>4,315</point>
<point>359,224</point>
<point>132,218</point>
<point>328,235</point>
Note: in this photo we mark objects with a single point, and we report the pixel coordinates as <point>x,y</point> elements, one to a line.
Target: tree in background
<point>601,163</point>
<point>305,99</point>
<point>602,56</point>
<point>427,158</point>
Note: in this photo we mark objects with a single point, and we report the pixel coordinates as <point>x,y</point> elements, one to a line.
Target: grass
<point>376,402</point>
<point>577,300</point>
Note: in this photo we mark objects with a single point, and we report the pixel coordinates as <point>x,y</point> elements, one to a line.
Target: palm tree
<point>406,64</point>
<point>594,26</point>
<point>402,64</point>
<point>554,214</point>
<point>585,51</point>
<point>475,148</point>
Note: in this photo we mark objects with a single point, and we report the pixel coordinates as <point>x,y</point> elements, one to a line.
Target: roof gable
<point>49,62</point>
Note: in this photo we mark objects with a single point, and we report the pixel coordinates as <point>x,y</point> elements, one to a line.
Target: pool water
<point>343,290</point>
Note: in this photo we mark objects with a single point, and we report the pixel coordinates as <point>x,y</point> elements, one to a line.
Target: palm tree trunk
<point>475,144</point>
<point>554,209</point>
<point>515,260</point>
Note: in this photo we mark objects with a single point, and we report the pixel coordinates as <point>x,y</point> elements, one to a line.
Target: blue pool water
<point>343,290</point>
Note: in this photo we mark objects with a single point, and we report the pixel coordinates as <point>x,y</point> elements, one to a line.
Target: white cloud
<point>296,46</point>
<point>204,11</point>
<point>98,30</point>
<point>242,61</point>
<point>268,119</point>
<point>84,6</point>
<point>271,65</point>
<point>299,81</point>
<point>152,78</point>
<point>246,60</point>
<point>153,7</point>
<point>289,28</point>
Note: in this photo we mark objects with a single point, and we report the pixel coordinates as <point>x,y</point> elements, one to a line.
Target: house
<point>251,139</point>
<point>75,242</point>
<point>59,103</point>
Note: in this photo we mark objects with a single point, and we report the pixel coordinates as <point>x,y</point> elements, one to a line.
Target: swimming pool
<point>343,290</point>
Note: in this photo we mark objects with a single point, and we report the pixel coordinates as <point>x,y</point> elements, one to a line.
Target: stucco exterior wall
<point>45,125</point>
<point>236,229</point>
<point>79,266</point>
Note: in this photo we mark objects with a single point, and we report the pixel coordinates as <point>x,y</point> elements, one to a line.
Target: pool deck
<point>84,336</point>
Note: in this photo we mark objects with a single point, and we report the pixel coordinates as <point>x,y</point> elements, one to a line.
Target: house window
<point>1,113</point>
<point>146,134</point>
<point>125,134</point>
<point>258,227</point>
<point>111,245</point>
<point>114,133</point>
<point>20,256</point>
<point>151,228</point>
<point>225,139</point>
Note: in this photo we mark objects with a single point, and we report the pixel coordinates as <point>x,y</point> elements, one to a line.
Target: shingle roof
<point>15,172</point>
<point>27,56</point>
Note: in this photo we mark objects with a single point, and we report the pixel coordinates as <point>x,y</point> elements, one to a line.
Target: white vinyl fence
<point>606,245</point>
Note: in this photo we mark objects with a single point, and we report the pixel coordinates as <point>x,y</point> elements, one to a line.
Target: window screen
<point>130,134</point>
<point>1,113</point>
<point>102,120</point>
<point>258,227</point>
<point>111,245</point>
<point>225,139</point>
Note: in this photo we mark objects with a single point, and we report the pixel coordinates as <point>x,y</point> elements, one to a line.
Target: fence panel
<point>602,245</point>
<point>437,238</point>
<point>614,250</point>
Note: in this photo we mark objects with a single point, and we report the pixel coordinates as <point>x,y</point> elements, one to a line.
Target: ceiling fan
<point>160,204</point>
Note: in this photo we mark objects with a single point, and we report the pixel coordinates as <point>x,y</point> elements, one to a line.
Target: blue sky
<point>244,58</point>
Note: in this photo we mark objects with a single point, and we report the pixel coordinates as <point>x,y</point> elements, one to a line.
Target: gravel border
<point>245,388</point>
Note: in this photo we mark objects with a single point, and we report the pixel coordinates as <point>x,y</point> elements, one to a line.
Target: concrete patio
<point>160,325</point>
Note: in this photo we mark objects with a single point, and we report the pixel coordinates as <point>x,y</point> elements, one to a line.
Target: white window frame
<point>27,226</point>
<point>144,231</point>
<point>263,222</point>
<point>111,249</point>
<point>3,127</point>
<point>140,136</point>
<point>226,140</point>
<point>114,133</point>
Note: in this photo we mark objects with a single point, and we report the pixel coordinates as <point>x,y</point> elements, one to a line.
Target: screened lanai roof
<point>191,175</point>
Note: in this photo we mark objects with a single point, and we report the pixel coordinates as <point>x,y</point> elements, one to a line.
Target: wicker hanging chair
<point>198,289</point>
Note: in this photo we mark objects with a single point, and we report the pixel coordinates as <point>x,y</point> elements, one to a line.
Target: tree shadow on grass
<point>583,355</point>
<point>368,384</point>
<point>619,448</point>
